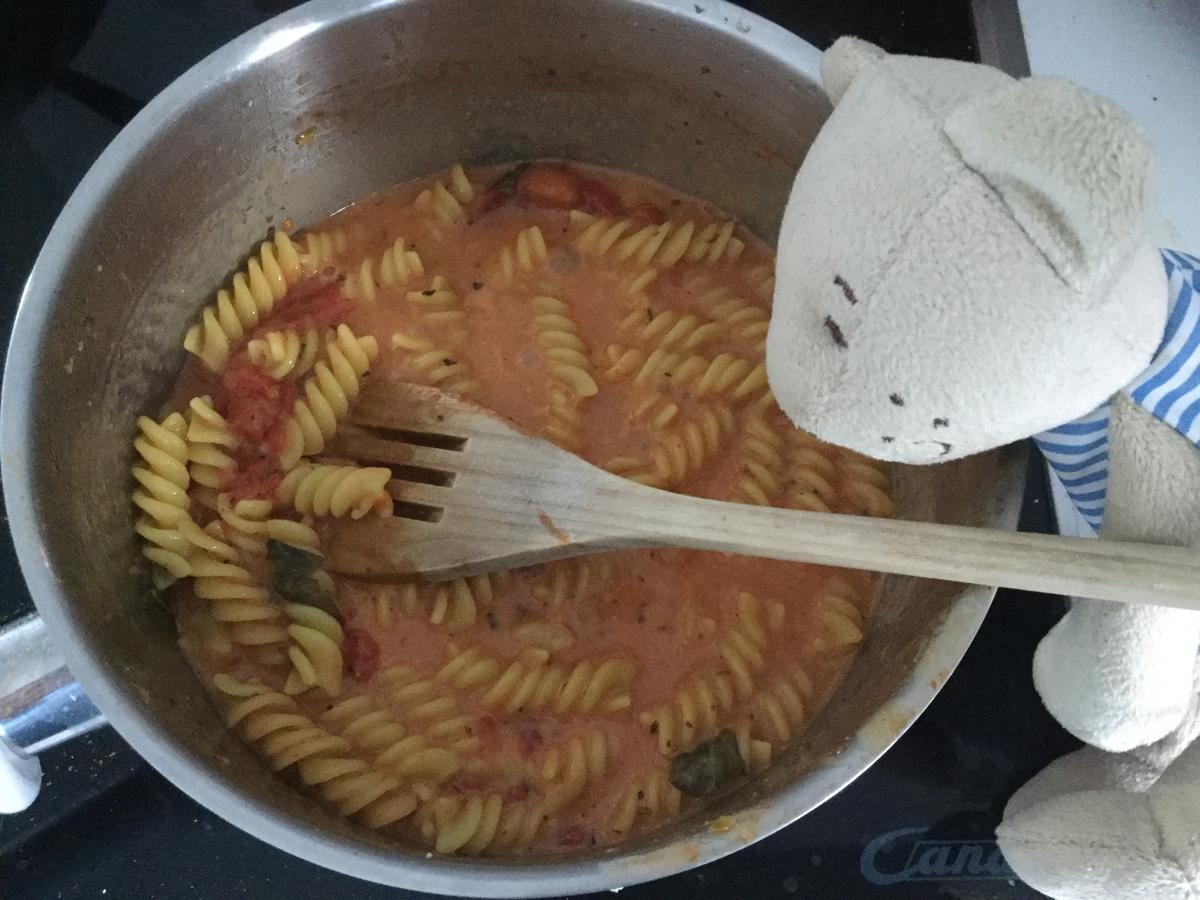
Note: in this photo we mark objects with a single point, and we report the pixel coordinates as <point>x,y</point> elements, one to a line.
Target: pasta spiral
<point>208,438</point>
<point>472,825</point>
<point>675,452</point>
<point>568,369</point>
<point>549,636</point>
<point>287,354</point>
<point>319,249</point>
<point>566,355</point>
<point>573,581</point>
<point>696,710</point>
<point>469,669</point>
<point>828,479</point>
<point>397,265</point>
<point>526,254</point>
<point>742,321</point>
<point>315,651</point>
<point>811,473</point>
<point>839,620</point>
<point>865,486</point>
<point>243,524</point>
<point>455,605</point>
<point>692,713</point>
<point>661,245</point>
<point>649,800</point>
<point>755,753</point>
<point>335,382</point>
<point>567,770</point>
<point>360,721</point>
<point>238,601</point>
<point>248,300</point>
<point>338,491</point>
<point>412,758</point>
<point>439,305</point>
<point>725,375</point>
<point>760,463</point>
<point>446,198</point>
<point>162,492</point>
<point>426,701</point>
<point>247,526</point>
<point>778,711</point>
<point>761,280</point>
<point>634,288</point>
<point>434,365</point>
<point>529,683</point>
<point>670,329</point>
<point>273,722</point>
<point>678,452</point>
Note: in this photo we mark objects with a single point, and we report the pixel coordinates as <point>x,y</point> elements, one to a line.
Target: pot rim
<point>172,757</point>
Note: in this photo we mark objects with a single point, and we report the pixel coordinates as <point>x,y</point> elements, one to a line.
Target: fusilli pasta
<point>396,266</point>
<point>287,354</point>
<point>337,490</point>
<point>287,738</point>
<point>316,650</point>
<point>472,825</point>
<point>660,245</point>
<point>335,382</point>
<point>162,493</point>
<point>525,254</point>
<point>645,802</point>
<point>760,463</point>
<point>530,683</point>
<point>455,605</point>
<point>446,198</point>
<point>208,439</point>
<point>839,620</point>
<point>568,769</point>
<point>248,300</point>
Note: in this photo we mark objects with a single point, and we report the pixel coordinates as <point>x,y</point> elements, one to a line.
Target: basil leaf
<point>291,560</point>
<point>160,579</point>
<point>293,578</point>
<point>712,764</point>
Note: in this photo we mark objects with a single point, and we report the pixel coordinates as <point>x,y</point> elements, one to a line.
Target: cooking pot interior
<point>297,120</point>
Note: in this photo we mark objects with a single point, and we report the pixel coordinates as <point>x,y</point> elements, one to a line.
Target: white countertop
<point>1145,55</point>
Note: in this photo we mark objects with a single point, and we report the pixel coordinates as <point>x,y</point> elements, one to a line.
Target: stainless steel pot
<point>705,97</point>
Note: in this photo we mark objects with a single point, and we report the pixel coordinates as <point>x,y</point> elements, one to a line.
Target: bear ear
<point>1074,171</point>
<point>842,62</point>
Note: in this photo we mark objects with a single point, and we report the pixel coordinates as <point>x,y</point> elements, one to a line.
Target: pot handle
<point>41,705</point>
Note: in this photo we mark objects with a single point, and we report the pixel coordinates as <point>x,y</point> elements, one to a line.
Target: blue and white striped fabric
<point>1169,388</point>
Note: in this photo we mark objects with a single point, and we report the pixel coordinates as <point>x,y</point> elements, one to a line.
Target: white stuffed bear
<point>964,262</point>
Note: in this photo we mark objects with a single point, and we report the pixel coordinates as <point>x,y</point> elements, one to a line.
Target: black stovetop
<point>74,71</point>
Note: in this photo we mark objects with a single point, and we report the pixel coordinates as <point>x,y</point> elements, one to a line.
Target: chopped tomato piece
<point>255,405</point>
<point>360,653</point>
<point>313,301</point>
<point>490,200</point>
<point>550,187</point>
<point>488,732</point>
<point>648,213</point>
<point>254,478</point>
<point>529,738</point>
<point>598,199</point>
<point>516,793</point>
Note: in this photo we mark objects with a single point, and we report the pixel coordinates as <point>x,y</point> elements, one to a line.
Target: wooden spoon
<point>475,495</point>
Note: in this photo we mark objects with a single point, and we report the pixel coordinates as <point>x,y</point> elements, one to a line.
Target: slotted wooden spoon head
<point>472,494</point>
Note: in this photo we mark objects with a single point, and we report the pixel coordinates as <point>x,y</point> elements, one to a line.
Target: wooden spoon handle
<point>1106,570</point>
